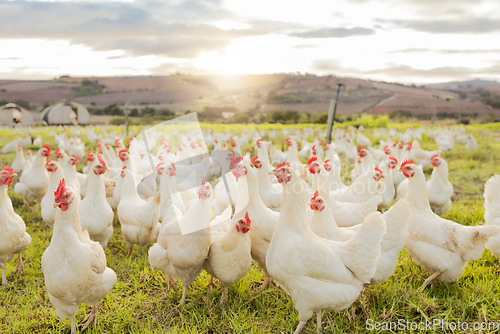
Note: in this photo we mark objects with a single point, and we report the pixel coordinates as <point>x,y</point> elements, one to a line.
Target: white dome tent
<point>13,115</point>
<point>66,113</point>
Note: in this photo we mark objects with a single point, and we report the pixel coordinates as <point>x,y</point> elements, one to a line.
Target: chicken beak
<point>273,172</point>
<point>400,169</point>
<point>56,204</point>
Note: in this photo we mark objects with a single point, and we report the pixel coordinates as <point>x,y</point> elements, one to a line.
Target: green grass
<point>140,302</point>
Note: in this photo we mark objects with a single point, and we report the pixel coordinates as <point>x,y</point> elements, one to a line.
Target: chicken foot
<point>429,280</point>
<point>20,265</point>
<point>300,326</point>
<point>266,283</point>
<point>92,317</point>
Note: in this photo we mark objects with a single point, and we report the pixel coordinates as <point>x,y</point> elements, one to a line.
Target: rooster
<point>74,267</point>
<point>441,246</point>
<point>139,219</point>
<point>183,242</point>
<point>319,274</point>
<point>13,238</point>
<point>34,181</point>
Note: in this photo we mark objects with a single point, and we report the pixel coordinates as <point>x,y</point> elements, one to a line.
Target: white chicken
<point>441,246</point>
<point>440,190</point>
<point>139,219</point>
<point>270,193</point>
<point>96,215</point>
<point>492,211</point>
<point>229,257</point>
<point>319,274</point>
<point>48,210</point>
<point>182,246</point>
<point>35,179</point>
<point>13,236</point>
<point>264,220</point>
<point>396,220</point>
<point>19,160</point>
<point>74,267</point>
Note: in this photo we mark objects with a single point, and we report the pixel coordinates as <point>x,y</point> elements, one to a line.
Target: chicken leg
<point>20,265</point>
<point>266,284</point>
<point>73,325</point>
<point>300,326</point>
<point>183,298</point>
<point>224,297</point>
<point>4,277</point>
<point>429,280</point>
<point>92,317</point>
<point>318,319</point>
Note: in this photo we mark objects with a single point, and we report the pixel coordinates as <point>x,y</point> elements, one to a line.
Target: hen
<point>396,220</point>
<point>492,210</point>
<point>229,257</point>
<point>13,236</point>
<point>264,220</point>
<point>19,160</point>
<point>318,274</point>
<point>441,246</point>
<point>139,219</point>
<point>183,243</point>
<point>48,210</point>
<point>74,267</point>
<point>96,215</point>
<point>35,179</point>
<point>440,190</point>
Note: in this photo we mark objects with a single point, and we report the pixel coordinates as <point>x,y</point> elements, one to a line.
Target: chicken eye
<point>320,201</point>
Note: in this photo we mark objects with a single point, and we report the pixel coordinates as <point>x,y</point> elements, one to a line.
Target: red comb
<point>101,160</point>
<point>435,156</point>
<point>255,158</point>
<point>284,163</point>
<point>122,150</point>
<point>393,159</point>
<point>406,162</point>
<point>259,142</point>
<point>60,189</point>
<point>313,159</point>
<point>46,147</point>
<point>288,142</point>
<point>8,169</point>
<point>247,218</point>
<point>203,181</point>
<point>378,170</point>
<point>315,195</point>
<point>49,160</point>
<point>360,148</point>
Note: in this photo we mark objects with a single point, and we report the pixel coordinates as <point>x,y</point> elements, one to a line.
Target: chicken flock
<point>287,210</point>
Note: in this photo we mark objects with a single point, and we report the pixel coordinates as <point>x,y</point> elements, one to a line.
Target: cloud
<point>334,32</point>
<point>149,27</point>
<point>455,26</point>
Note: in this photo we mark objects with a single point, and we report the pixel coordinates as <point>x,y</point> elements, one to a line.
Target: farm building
<point>13,115</point>
<point>66,113</point>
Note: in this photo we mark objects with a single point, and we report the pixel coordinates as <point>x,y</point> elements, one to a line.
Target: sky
<point>404,41</point>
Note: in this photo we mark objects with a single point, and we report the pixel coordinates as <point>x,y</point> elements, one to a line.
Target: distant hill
<point>478,83</point>
<point>250,93</point>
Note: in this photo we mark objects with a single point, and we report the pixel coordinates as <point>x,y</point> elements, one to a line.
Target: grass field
<point>140,302</point>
